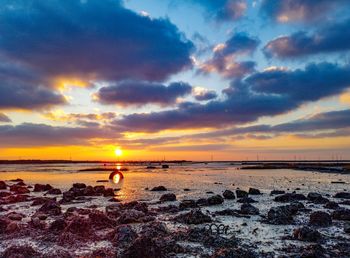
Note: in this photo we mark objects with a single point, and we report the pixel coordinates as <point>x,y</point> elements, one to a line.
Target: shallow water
<point>199,178</point>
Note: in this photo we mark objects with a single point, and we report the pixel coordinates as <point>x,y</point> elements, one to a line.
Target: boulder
<point>202,202</point>
<point>99,220</point>
<point>347,228</point>
<point>341,214</point>
<point>159,189</point>
<point>99,189</point>
<point>241,193</point>
<point>229,195</point>
<point>19,189</point>
<point>249,209</point>
<point>42,188</point>
<point>290,197</point>
<point>169,197</point>
<point>130,216</point>
<point>215,200</point>
<point>306,234</point>
<point>331,205</point>
<point>186,204</point>
<point>51,208</point>
<point>124,235</point>
<point>342,195</point>
<point>254,191</point>
<point>277,192</point>
<point>193,217</point>
<point>317,198</point>
<point>54,191</point>
<point>108,192</point>
<point>3,185</point>
<point>79,185</point>
<point>320,218</point>
<point>282,215</point>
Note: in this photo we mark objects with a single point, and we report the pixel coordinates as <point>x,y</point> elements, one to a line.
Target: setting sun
<point>118,152</point>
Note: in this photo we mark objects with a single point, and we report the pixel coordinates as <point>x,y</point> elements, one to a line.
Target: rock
<point>154,229</point>
<point>108,192</point>
<point>234,252</point>
<point>193,217</point>
<point>57,225</point>
<point>79,185</point>
<point>19,189</point>
<point>313,251</point>
<point>246,200</point>
<point>282,215</point>
<point>89,191</point>
<point>4,222</point>
<point>169,197</point>
<point>4,194</point>
<point>202,202</point>
<point>124,235</point>
<point>306,234</point>
<point>99,220</point>
<point>341,214</point>
<point>51,207</point>
<point>54,191</point>
<point>130,216</point>
<point>80,226</point>
<point>254,191</point>
<point>186,204</point>
<point>346,202</point>
<point>290,197</point>
<point>229,195</point>
<point>187,189</point>
<point>159,189</point>
<point>42,188</point>
<point>15,216</point>
<point>320,218</point>
<point>317,198</point>
<point>41,200</point>
<point>3,185</point>
<point>67,197</point>
<point>342,195</point>
<point>14,199</point>
<point>12,227</point>
<point>331,205</point>
<point>249,209</point>
<point>215,200</point>
<point>16,251</point>
<point>277,192</point>
<point>99,189</point>
<point>168,209</point>
<point>347,228</point>
<point>241,193</point>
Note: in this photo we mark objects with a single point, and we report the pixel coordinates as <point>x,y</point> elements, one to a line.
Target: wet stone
<point>249,209</point>
<point>341,214</point>
<point>254,191</point>
<point>306,234</point>
<point>215,200</point>
<point>342,195</point>
<point>229,195</point>
<point>186,204</point>
<point>3,185</point>
<point>331,205</point>
<point>241,193</point>
<point>42,188</point>
<point>290,197</point>
<point>169,197</point>
<point>159,189</point>
<point>193,217</point>
<point>277,192</point>
<point>320,218</point>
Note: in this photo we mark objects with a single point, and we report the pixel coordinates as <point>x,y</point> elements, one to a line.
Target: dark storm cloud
<point>299,10</point>
<point>140,93</point>
<point>93,38</point>
<point>4,118</point>
<point>28,134</point>
<point>267,93</point>
<point>224,57</point>
<point>331,38</point>
<point>205,95</point>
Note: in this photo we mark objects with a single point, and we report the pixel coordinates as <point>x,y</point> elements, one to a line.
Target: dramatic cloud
<point>87,120</point>
<point>202,94</point>
<point>267,93</point>
<point>97,39</point>
<point>225,55</point>
<point>4,118</point>
<point>140,93</point>
<point>29,134</point>
<point>335,37</point>
<point>299,10</point>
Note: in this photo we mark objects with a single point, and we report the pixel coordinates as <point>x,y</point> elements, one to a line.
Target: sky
<point>175,79</point>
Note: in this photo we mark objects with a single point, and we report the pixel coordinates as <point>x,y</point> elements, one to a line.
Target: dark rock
<point>313,251</point>
<point>4,194</point>
<point>234,252</point>
<point>17,180</point>
<point>16,251</point>
<point>80,226</point>
<point>215,200</point>
<point>67,197</point>
<point>124,235</point>
<point>19,189</point>
<point>346,202</point>
<point>282,215</point>
<point>306,234</point>
<point>277,192</point>
<point>130,216</point>
<point>99,220</point>
<point>317,198</point>
<point>193,217</point>
<point>57,225</point>
<point>186,204</point>
<point>202,202</point>
<point>290,197</point>
<point>154,229</point>
<point>42,188</point>
<point>331,205</point>
<point>320,218</point>
<point>246,200</point>
<point>3,185</point>
<point>229,195</point>
<point>89,191</point>
<point>54,191</point>
<point>249,209</point>
<point>108,192</point>
<point>187,189</point>
<point>15,216</point>
<point>341,214</point>
<point>254,191</point>
<point>168,209</point>
<point>99,189</point>
<point>79,185</point>
<point>14,199</point>
<point>169,197</point>
<point>342,195</point>
<point>347,228</point>
<point>241,193</point>
<point>159,189</point>
<point>51,207</point>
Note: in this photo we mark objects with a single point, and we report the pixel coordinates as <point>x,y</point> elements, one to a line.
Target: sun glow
<point>118,152</point>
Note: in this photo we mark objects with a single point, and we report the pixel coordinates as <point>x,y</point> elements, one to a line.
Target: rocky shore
<point>89,221</point>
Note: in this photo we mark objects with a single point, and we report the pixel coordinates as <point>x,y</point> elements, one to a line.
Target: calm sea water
<point>199,178</point>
